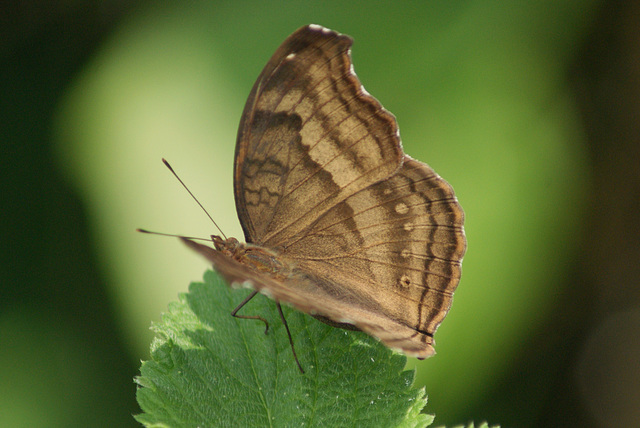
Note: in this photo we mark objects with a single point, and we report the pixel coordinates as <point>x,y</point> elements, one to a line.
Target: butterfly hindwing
<point>398,243</point>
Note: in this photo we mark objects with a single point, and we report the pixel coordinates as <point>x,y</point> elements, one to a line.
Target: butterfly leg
<point>250,317</point>
<point>286,326</point>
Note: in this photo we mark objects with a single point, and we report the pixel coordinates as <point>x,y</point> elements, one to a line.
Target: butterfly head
<point>230,247</point>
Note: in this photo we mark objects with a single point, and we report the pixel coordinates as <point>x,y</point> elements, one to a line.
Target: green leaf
<point>208,368</point>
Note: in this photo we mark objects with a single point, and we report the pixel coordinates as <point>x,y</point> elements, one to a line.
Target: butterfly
<point>339,223</point>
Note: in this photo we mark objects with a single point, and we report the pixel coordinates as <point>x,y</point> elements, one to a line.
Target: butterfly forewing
<point>310,137</point>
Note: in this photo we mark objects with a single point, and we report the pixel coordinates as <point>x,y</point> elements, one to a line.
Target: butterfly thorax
<point>259,258</point>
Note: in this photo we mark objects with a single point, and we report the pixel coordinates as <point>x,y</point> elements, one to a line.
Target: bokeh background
<point>531,110</point>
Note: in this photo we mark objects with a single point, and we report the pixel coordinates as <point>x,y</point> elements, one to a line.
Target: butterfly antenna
<point>194,198</point>
<point>193,238</point>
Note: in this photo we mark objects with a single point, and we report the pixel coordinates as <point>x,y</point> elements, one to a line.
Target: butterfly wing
<point>396,246</point>
<point>310,136</point>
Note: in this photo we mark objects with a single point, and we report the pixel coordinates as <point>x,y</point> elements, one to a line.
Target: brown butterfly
<point>339,222</point>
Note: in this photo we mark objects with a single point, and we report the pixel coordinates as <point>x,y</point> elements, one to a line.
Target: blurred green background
<point>531,110</point>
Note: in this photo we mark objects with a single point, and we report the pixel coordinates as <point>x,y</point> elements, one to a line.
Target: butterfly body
<point>339,222</point>
<point>259,259</point>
